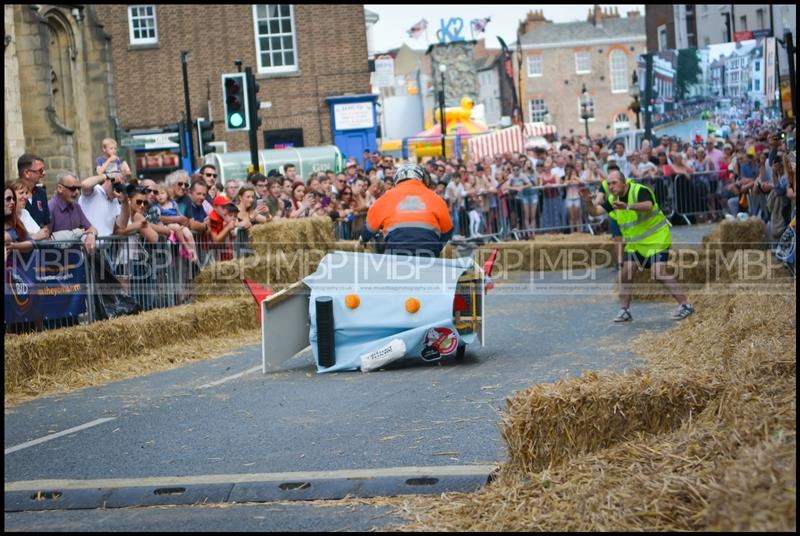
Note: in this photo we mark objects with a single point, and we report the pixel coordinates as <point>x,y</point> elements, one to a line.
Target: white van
<point>632,139</point>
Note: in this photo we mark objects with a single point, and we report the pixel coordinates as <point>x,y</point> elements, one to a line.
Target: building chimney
<point>596,16</point>
<point>533,19</point>
<point>634,13</point>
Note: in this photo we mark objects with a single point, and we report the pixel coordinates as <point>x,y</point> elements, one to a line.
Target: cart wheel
<point>460,352</point>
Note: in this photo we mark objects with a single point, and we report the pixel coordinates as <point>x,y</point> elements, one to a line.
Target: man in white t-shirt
<point>621,159</point>
<point>558,170</point>
<point>106,209</point>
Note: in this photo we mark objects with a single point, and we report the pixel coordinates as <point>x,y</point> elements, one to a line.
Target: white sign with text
<point>353,115</point>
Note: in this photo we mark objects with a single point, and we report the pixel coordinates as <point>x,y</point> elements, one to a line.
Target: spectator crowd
<point>751,171</point>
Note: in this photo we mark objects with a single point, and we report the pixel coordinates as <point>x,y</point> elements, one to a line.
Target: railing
<point>501,216</point>
<point>124,275</point>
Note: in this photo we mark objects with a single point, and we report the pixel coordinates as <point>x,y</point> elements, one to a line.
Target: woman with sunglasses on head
<point>16,237</point>
<point>249,213</point>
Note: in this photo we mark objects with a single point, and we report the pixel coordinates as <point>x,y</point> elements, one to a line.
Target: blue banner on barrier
<point>46,284</point>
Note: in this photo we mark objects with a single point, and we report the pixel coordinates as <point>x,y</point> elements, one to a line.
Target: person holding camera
<point>105,204</point>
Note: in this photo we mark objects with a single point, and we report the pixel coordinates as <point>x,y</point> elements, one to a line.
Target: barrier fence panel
<point>59,284</point>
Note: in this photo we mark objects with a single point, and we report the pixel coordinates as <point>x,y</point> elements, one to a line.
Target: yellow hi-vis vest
<point>646,233</point>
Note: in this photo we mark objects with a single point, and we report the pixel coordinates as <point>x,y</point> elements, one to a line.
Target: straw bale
<point>307,233</point>
<point>547,424</point>
<point>731,235</point>
<point>546,253</point>
<point>728,463</point>
<point>274,269</point>
<point>50,354</point>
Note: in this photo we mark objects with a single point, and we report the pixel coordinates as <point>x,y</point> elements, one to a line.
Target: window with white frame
<point>535,65</point>
<point>276,42</point>
<point>662,38</point>
<point>621,123</point>
<point>618,62</point>
<point>142,25</point>
<point>590,107</point>
<point>537,110</point>
<point>583,62</point>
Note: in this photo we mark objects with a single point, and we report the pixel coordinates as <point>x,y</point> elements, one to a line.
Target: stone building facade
<point>300,54</point>
<point>58,87</point>
<point>560,59</point>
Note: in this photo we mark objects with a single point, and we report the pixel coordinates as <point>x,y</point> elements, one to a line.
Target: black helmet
<point>410,171</point>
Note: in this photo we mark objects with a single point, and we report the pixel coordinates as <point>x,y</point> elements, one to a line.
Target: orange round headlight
<point>412,305</point>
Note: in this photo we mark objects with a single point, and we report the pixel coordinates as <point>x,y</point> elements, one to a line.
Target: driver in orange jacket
<point>414,220</point>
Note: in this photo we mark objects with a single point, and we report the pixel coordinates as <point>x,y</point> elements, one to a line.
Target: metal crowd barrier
<point>128,274</point>
<point>683,196</point>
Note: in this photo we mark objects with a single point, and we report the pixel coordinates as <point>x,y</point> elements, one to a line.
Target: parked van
<point>632,139</point>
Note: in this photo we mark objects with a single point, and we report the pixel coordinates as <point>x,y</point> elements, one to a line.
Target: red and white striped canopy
<point>539,129</point>
<point>508,140</point>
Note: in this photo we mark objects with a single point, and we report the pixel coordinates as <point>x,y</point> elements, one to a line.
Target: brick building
<point>58,102</point>
<point>559,59</point>
<point>300,54</point>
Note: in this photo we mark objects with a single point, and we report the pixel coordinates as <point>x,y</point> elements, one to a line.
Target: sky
<point>390,31</point>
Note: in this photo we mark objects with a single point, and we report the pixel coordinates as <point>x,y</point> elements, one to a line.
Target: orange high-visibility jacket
<point>410,205</point>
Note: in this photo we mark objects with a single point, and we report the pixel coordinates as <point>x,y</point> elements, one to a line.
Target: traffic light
<point>255,104</point>
<point>235,100</point>
<point>205,135</point>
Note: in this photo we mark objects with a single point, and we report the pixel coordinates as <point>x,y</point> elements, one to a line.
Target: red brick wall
<point>331,47</point>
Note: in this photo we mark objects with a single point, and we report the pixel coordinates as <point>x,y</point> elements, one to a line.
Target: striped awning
<point>539,129</point>
<point>508,140</point>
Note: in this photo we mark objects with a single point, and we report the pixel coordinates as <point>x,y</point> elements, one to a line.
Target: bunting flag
<point>479,25</point>
<point>418,29</point>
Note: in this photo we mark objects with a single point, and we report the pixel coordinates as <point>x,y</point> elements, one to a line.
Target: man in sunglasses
<point>209,174</point>
<point>68,222</point>
<point>104,205</point>
<point>32,170</point>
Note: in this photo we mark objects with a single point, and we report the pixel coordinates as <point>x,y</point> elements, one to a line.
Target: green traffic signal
<point>235,99</point>
<point>235,120</point>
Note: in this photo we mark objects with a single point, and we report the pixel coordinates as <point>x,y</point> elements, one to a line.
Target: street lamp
<point>788,43</point>
<point>442,70</point>
<point>635,106</point>
<point>586,114</point>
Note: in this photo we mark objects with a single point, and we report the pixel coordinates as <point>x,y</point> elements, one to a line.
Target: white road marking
<point>229,378</point>
<point>57,435</point>
<point>302,476</point>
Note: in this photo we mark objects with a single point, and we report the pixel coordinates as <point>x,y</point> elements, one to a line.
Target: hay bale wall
<point>580,416</point>
<point>731,235</point>
<point>54,352</point>
<point>726,461</point>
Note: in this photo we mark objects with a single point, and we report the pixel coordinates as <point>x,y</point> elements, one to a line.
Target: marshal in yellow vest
<point>646,233</point>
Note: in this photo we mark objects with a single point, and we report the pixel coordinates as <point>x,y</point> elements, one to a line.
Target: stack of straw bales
<point>37,360</point>
<point>283,252</point>
<point>705,439</point>
<point>732,235</point>
<point>734,252</point>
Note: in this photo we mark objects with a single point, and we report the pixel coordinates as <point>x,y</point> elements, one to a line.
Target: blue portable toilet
<point>354,120</point>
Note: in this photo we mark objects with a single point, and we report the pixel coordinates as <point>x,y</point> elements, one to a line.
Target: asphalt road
<point>541,327</point>
<point>684,130</point>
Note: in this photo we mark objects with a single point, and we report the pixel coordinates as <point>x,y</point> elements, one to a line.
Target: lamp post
<point>788,43</point>
<point>586,114</point>
<point>635,106</point>
<point>442,124</point>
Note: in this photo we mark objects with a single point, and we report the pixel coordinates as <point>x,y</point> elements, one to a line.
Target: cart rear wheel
<point>462,348</point>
